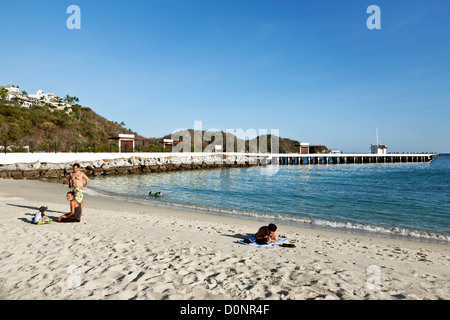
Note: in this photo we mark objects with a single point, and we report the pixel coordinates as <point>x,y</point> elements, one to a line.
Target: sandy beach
<point>127,250</point>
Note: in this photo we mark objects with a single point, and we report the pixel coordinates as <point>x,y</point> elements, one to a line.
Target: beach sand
<point>126,250</point>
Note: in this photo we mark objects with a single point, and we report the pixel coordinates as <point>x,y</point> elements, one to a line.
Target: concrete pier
<point>302,159</point>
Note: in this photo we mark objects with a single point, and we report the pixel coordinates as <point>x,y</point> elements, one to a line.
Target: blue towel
<point>269,245</point>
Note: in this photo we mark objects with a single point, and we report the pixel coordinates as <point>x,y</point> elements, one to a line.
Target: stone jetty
<point>58,172</point>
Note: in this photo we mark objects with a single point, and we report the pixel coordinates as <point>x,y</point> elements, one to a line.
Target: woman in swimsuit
<point>75,210</point>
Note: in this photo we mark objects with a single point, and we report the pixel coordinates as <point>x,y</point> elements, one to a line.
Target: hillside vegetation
<point>43,127</point>
<point>285,145</point>
<point>79,128</point>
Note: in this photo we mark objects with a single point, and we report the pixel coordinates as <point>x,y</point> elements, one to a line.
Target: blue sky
<point>311,69</point>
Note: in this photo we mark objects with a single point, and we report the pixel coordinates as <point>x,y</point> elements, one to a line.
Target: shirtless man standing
<point>76,183</point>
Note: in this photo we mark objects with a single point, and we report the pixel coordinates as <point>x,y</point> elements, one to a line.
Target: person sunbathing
<point>267,234</point>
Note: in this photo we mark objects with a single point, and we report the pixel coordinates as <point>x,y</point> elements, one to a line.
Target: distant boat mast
<point>377,136</point>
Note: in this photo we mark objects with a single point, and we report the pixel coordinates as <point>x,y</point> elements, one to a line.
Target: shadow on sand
<point>35,209</point>
<point>240,235</point>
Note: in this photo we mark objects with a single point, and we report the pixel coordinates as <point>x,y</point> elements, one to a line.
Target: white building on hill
<point>50,99</point>
<point>45,97</point>
<point>11,88</point>
<point>15,95</point>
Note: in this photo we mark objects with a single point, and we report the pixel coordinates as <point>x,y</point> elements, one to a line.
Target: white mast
<point>377,137</point>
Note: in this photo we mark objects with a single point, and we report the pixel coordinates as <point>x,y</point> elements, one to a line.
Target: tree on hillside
<point>4,128</point>
<point>48,128</point>
<point>17,101</point>
<point>70,99</point>
<point>3,93</point>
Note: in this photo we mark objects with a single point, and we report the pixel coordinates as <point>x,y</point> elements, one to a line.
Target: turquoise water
<point>410,199</point>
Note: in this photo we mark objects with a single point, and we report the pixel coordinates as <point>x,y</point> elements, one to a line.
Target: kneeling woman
<point>75,210</point>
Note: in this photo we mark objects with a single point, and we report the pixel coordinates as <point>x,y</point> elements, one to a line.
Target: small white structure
<point>26,102</point>
<point>377,149</point>
<point>168,143</point>
<point>304,148</point>
<point>126,142</point>
<point>11,88</point>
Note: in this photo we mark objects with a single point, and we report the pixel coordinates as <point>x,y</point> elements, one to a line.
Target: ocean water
<point>404,199</point>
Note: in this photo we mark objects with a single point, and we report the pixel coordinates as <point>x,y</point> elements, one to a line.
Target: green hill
<point>286,145</point>
<point>44,126</point>
<point>78,128</point>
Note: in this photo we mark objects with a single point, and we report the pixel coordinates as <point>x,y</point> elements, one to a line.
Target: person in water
<point>267,234</point>
<point>150,194</point>
<point>75,210</point>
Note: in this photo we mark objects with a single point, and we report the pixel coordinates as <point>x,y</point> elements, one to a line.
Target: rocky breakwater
<point>58,172</point>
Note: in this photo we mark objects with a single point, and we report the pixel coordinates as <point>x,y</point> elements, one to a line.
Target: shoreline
<point>160,163</point>
<point>128,250</point>
<point>320,224</point>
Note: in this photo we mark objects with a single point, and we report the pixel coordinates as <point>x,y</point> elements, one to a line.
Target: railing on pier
<point>297,159</point>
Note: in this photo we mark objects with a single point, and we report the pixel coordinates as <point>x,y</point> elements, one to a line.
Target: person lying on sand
<point>267,234</point>
<point>75,210</point>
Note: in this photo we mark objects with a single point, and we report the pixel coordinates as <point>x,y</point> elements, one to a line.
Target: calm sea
<point>406,199</point>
